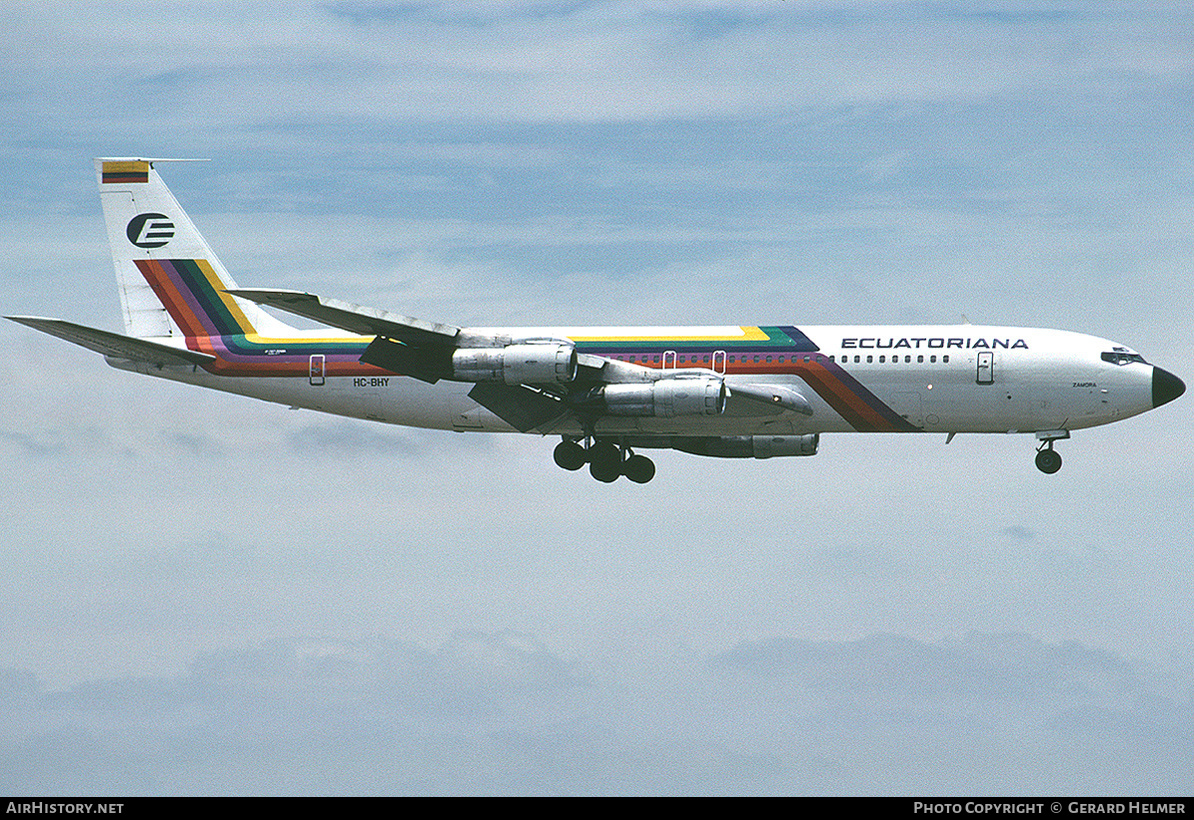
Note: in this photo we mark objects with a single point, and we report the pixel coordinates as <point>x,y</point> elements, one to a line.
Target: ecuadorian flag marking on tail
<point>126,171</point>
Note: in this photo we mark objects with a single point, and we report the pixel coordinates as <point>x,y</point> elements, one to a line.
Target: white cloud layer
<point>487,713</point>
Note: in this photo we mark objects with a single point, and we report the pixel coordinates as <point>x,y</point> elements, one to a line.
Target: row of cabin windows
<point>895,359</point>
<point>845,359</point>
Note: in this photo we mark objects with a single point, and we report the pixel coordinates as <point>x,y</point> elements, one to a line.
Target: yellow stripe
<point>137,166</point>
<point>257,338</point>
<point>217,285</point>
<point>749,334</point>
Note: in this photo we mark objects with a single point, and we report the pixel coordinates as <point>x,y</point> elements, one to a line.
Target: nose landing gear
<point>606,459</point>
<point>1048,460</point>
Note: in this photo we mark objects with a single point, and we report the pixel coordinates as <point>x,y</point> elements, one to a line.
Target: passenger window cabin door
<point>719,362</point>
<point>316,372</point>
<point>986,368</point>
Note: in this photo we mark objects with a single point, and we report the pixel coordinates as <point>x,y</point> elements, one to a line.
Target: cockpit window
<point>1122,356</point>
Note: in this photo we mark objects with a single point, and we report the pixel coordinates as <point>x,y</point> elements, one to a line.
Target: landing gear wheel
<point>1048,461</point>
<point>569,455</point>
<point>605,461</point>
<point>639,469</point>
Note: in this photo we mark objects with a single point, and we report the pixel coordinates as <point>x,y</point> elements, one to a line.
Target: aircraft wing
<point>532,407</point>
<point>115,345</point>
<point>366,321</point>
<point>425,350</point>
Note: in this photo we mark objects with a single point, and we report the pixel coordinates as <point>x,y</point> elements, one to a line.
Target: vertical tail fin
<point>171,283</point>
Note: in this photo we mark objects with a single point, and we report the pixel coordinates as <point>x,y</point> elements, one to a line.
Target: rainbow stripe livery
<point>733,391</point>
<point>214,322</point>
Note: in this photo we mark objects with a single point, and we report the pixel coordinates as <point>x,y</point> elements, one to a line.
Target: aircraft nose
<point>1166,387</point>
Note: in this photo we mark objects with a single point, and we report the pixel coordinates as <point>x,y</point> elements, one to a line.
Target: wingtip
<point>32,320</point>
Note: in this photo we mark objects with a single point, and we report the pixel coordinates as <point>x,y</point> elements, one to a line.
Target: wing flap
<point>116,345</point>
<point>521,407</point>
<point>430,364</point>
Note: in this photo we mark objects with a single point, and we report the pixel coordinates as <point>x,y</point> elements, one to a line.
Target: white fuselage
<point>959,378</point>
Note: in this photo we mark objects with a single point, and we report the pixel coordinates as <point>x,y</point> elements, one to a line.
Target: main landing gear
<point>1047,459</point>
<point>606,459</point>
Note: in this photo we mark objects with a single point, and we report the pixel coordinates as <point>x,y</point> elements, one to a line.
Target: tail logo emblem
<point>150,230</point>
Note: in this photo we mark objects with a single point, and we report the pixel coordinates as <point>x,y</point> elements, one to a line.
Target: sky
<point>205,594</point>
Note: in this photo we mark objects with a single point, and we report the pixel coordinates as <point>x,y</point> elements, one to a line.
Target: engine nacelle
<point>750,446</point>
<point>516,364</point>
<point>700,396</point>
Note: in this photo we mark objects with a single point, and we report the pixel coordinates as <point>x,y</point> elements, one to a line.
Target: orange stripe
<point>175,304</point>
<point>847,396</point>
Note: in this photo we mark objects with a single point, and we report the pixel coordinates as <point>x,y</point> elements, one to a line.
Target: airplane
<point>607,392</point>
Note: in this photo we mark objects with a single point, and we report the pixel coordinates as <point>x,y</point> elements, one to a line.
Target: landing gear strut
<point>1047,459</point>
<point>606,459</point>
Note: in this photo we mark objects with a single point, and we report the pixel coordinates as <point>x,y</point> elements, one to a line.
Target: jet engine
<point>516,364</point>
<point>749,446</point>
<point>700,396</point>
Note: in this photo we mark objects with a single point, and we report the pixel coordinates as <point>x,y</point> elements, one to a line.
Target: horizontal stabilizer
<point>115,345</point>
<point>353,318</point>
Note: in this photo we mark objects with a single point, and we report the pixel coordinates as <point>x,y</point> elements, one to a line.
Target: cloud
<point>348,438</point>
<point>273,717</point>
<point>978,667</point>
<point>580,163</point>
<point>207,70</point>
<point>468,661</point>
<point>500,713</point>
<point>1018,533</point>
